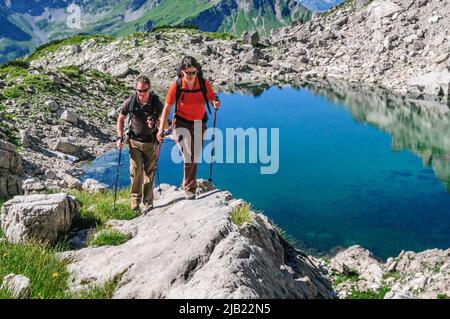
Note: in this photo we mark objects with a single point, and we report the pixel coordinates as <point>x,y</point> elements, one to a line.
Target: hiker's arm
<point>211,96</point>
<point>163,123</point>
<point>164,116</point>
<point>120,126</point>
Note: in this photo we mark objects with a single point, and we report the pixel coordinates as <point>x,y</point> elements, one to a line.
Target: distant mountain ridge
<point>319,5</point>
<point>26,24</point>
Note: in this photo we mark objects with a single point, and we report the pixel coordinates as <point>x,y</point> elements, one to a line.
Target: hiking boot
<point>135,204</point>
<point>189,196</point>
<point>148,207</point>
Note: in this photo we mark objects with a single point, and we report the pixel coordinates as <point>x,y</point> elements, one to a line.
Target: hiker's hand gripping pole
<point>158,152</point>
<point>216,105</point>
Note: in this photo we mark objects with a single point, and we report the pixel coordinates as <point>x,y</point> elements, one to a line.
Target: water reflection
<point>421,126</point>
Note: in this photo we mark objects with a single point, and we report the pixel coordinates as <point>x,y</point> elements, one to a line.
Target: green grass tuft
<point>352,276</point>
<point>241,215</point>
<point>96,209</point>
<point>109,237</point>
<point>443,296</point>
<point>47,274</point>
<point>379,294</point>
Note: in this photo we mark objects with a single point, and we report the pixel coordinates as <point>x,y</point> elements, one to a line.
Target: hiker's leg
<point>190,169</point>
<point>136,170</point>
<point>149,172</point>
<point>184,145</point>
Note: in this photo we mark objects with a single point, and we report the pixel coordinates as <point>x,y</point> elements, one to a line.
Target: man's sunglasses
<point>143,91</point>
<point>190,73</point>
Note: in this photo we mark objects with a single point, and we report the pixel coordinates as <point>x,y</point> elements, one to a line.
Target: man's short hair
<point>143,79</point>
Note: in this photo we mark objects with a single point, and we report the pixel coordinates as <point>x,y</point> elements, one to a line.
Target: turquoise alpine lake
<point>367,168</point>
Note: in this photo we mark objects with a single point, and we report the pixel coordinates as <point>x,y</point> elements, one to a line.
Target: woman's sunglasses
<point>190,73</point>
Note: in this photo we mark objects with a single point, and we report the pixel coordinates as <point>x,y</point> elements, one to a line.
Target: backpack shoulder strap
<point>201,81</point>
<point>178,95</point>
<point>155,102</point>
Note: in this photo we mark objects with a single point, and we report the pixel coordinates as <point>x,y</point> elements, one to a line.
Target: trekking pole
<point>213,150</point>
<point>157,168</point>
<point>117,178</point>
<point>158,152</point>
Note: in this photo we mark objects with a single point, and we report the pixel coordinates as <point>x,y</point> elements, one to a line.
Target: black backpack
<point>135,109</point>
<point>201,81</point>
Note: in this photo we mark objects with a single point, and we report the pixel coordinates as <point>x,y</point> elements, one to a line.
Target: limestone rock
<point>18,286</point>
<point>52,105</point>
<point>191,249</point>
<point>69,116</point>
<point>10,170</point>
<point>92,186</point>
<point>38,217</point>
<point>361,260</point>
<point>251,38</point>
<point>67,147</point>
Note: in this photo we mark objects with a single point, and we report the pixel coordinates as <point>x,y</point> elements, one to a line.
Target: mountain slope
<point>319,5</point>
<point>41,21</point>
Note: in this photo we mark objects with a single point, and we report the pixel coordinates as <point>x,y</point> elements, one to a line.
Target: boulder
<point>38,217</point>
<point>10,170</point>
<point>70,182</point>
<point>251,38</point>
<point>192,249</point>
<point>67,148</point>
<point>358,259</point>
<point>17,285</point>
<point>70,117</point>
<point>122,71</point>
<point>431,83</point>
<point>93,186</point>
<point>32,185</point>
<point>52,105</point>
<point>25,139</point>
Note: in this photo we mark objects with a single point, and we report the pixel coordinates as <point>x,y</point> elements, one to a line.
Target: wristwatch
<point>119,138</point>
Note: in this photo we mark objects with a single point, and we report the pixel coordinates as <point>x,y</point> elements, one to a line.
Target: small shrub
<point>369,294</point>
<point>241,214</point>
<point>352,276</point>
<point>109,237</point>
<point>286,237</point>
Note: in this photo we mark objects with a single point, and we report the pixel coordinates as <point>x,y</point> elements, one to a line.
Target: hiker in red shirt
<point>190,93</point>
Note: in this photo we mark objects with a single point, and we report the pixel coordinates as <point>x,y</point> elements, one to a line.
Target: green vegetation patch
<point>369,294</point>
<point>47,274</point>
<point>109,237</point>
<point>241,214</point>
<point>350,276</point>
<point>96,209</point>
<point>443,296</point>
<point>286,237</point>
<point>8,131</point>
<point>74,40</point>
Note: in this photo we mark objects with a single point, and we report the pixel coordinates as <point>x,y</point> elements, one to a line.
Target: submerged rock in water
<point>192,249</point>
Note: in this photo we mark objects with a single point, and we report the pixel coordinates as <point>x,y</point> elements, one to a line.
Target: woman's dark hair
<point>187,62</point>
